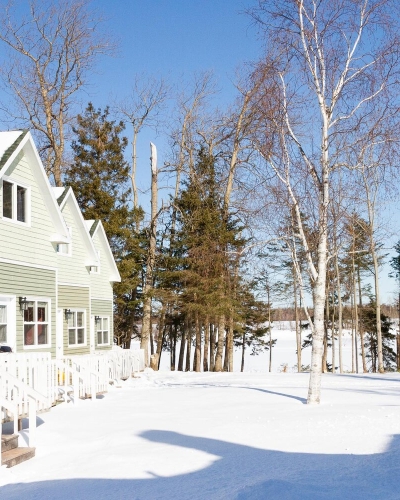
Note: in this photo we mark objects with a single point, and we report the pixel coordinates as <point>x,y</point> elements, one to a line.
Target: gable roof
<point>12,143</point>
<point>9,142</point>
<point>64,195</point>
<point>96,227</point>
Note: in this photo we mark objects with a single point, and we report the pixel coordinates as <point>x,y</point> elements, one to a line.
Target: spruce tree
<point>99,174</point>
<point>99,177</point>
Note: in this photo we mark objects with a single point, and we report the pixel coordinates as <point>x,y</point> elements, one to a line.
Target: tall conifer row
<point>99,176</point>
<point>206,243</point>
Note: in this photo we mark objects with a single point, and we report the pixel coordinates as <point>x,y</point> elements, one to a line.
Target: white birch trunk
<point>148,285</point>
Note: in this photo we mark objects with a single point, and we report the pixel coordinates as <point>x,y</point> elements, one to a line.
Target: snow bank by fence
<point>31,383</point>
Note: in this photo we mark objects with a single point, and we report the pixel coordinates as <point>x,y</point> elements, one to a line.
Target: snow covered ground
<point>170,435</point>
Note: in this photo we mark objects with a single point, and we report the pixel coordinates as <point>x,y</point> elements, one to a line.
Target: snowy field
<point>169,435</point>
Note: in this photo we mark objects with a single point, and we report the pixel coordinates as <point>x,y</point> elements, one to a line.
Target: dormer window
<point>65,248</point>
<point>15,201</point>
<point>95,269</point>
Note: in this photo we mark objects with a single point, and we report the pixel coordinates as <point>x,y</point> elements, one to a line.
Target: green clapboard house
<point>56,269</point>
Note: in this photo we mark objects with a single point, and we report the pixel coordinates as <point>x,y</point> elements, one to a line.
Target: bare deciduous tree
<point>50,52</point>
<point>328,61</point>
<point>142,108</point>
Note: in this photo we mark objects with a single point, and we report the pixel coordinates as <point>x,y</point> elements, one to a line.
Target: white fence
<point>33,382</point>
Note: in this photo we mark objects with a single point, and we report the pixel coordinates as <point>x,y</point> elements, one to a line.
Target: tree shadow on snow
<point>240,473</point>
<point>267,391</point>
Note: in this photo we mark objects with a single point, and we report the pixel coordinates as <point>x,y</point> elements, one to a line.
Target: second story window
<point>15,201</point>
<point>65,248</point>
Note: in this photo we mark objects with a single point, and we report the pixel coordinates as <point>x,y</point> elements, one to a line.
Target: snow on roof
<point>89,223</point>
<point>58,191</point>
<point>7,139</point>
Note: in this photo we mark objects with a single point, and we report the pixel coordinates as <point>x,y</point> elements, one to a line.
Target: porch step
<point>9,442</point>
<point>16,456</point>
<point>10,453</point>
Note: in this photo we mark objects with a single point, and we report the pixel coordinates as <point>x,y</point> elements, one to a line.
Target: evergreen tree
<point>395,264</point>
<point>371,341</point>
<point>99,176</point>
<point>207,242</point>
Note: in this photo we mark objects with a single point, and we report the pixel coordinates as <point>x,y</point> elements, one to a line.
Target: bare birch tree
<point>327,62</point>
<point>51,51</point>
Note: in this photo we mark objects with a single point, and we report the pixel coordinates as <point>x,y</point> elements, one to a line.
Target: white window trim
<point>69,245</point>
<point>98,265</point>
<point>9,301</point>
<point>84,344</point>
<point>96,330</point>
<point>13,219</point>
<point>38,346</point>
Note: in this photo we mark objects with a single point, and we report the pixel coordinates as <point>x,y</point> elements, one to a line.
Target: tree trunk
<point>325,354</point>
<point>243,349</point>
<point>381,368</point>
<point>198,344</point>
<point>182,348</point>
<point>333,342</point>
<point>212,347</point>
<point>172,338</point>
<point>220,344</point>
<point>298,327</point>
<point>206,344</point>
<point>148,286</point>
<point>340,310</point>
<point>230,333</point>
<point>188,345</point>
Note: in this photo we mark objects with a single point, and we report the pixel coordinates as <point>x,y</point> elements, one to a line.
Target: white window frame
<point>9,302</point>
<point>100,322</point>
<point>36,323</point>
<point>96,269</point>
<point>13,219</point>
<point>73,312</point>
<point>67,246</point>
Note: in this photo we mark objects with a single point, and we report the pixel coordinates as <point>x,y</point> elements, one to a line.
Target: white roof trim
<point>28,146</point>
<point>92,258</point>
<point>114,276</point>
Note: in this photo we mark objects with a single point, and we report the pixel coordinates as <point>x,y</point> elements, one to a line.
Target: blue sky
<point>176,38</point>
<point>172,39</point>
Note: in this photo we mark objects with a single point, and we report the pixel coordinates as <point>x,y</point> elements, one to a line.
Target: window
<point>96,269</point>
<point>76,328</point>
<point>65,248</point>
<point>102,331</point>
<point>3,323</point>
<point>36,323</point>
<point>15,201</point>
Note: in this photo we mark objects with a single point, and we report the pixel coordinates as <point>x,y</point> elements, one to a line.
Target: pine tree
<point>99,177</point>
<point>206,241</point>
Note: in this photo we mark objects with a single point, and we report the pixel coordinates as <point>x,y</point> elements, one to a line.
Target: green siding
<point>26,281</point>
<point>71,268</point>
<point>28,243</point>
<point>104,308</point>
<point>100,283</point>
<point>75,297</point>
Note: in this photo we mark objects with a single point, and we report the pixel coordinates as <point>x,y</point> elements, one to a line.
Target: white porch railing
<point>18,400</point>
<point>33,382</point>
<point>81,376</point>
